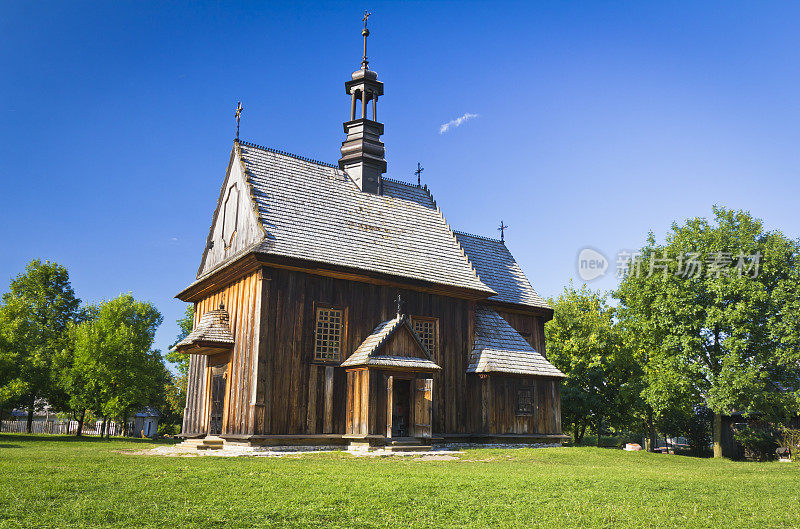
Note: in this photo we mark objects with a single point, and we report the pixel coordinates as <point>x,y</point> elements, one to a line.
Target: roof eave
<point>250,260</point>
<point>522,308</point>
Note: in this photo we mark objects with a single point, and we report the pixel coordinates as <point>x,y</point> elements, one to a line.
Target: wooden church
<point>334,305</point>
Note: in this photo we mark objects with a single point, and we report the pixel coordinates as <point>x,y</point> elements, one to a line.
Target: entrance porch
<point>390,389</point>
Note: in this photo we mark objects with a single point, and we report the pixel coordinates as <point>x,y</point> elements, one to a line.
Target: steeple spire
<point>365,33</point>
<point>362,151</point>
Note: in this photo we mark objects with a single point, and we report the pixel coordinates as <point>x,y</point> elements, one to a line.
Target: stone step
<point>209,447</point>
<point>409,448</point>
<point>405,442</point>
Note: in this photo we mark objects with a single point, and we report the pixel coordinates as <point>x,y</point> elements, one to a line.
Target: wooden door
<point>423,407</point>
<point>218,383</point>
<point>401,408</point>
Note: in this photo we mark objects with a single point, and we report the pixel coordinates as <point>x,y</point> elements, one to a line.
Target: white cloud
<point>456,122</point>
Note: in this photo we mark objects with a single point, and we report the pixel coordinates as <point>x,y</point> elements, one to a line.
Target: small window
<point>524,401</point>
<point>425,329</point>
<point>230,216</point>
<point>328,335</point>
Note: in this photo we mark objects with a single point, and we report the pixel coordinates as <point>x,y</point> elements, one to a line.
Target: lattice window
<point>425,328</point>
<point>328,335</point>
<point>524,401</point>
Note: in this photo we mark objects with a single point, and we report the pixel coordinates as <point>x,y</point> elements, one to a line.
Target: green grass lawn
<point>50,481</point>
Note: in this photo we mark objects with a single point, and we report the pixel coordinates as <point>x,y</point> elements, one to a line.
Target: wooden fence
<point>60,427</point>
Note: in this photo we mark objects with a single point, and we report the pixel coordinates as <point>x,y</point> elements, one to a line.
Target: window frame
<point>342,334</point>
<point>435,320</point>
<point>518,411</point>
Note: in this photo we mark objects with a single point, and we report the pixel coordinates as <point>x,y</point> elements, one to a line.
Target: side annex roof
<point>498,269</point>
<point>501,349</point>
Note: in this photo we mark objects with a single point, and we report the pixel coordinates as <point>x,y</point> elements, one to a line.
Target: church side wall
<point>242,300</point>
<point>297,395</point>
<point>500,402</point>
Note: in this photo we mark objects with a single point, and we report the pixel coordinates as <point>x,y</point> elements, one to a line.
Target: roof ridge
<point>458,243</point>
<point>286,153</point>
<point>393,327</point>
<point>484,237</point>
<point>396,181</point>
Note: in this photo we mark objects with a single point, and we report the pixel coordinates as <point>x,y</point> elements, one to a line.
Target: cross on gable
<point>239,109</point>
<point>502,230</point>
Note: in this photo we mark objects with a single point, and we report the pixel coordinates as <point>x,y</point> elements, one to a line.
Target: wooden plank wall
<point>502,399</point>
<point>529,326</point>
<point>295,395</point>
<point>195,413</point>
<point>298,396</point>
<point>242,300</point>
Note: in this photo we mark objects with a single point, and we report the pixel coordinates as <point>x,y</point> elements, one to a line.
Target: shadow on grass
<point>83,439</point>
<point>9,446</point>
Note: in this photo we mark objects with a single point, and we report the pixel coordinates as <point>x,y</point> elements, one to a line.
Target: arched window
<point>230,217</point>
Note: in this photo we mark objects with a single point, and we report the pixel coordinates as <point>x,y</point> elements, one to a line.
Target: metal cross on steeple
<point>238,116</point>
<point>418,172</point>
<point>365,33</point>
<point>502,230</point>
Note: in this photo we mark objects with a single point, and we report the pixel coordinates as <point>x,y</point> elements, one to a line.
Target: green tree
<point>712,307</point>
<point>181,360</point>
<point>115,371</point>
<point>176,388</point>
<point>584,343</point>
<point>34,319</point>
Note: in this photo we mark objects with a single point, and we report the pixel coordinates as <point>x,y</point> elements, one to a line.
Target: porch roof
<point>212,333</point>
<point>499,348</point>
<point>367,353</point>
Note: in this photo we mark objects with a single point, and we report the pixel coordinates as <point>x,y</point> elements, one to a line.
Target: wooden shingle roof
<point>368,353</point>
<point>501,349</point>
<point>315,212</point>
<point>498,269</point>
<point>213,329</point>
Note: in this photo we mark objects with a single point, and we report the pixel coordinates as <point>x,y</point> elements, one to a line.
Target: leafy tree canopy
<point>715,314</point>
<point>34,318</point>
<point>185,326</point>
<point>584,344</point>
<point>115,370</point>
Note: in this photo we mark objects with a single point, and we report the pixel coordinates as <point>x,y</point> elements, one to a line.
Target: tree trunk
<point>29,426</point>
<point>598,432</point>
<point>79,431</point>
<point>583,431</point>
<point>651,432</point>
<point>103,428</point>
<point>718,452</point>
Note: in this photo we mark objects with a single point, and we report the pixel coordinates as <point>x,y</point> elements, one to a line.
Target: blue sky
<point>596,122</point>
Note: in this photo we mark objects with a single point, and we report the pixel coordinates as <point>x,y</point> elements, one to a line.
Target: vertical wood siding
<point>275,386</point>
<point>301,396</point>
<point>529,326</point>
<point>286,358</point>
<point>242,300</point>
<point>502,397</point>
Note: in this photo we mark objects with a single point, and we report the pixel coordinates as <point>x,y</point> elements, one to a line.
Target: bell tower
<point>362,151</point>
